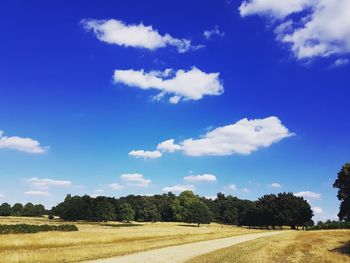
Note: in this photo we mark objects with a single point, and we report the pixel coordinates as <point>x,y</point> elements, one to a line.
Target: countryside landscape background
<point>183,131</point>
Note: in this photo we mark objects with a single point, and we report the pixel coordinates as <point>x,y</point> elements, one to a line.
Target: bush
<point>25,228</point>
<point>330,225</point>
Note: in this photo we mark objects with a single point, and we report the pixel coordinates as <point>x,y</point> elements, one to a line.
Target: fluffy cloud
<point>37,193</point>
<point>27,145</point>
<point>116,186</point>
<point>242,137</point>
<point>308,195</point>
<point>168,146</point>
<point>213,32</point>
<point>322,29</point>
<point>317,210</point>
<point>193,84</point>
<point>178,188</point>
<point>275,185</point>
<point>276,8</point>
<point>45,183</point>
<point>139,36</point>
<point>136,179</point>
<point>146,154</point>
<point>200,178</point>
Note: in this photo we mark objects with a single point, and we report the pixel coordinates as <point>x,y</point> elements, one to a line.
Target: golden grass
<point>96,240</point>
<point>325,246</point>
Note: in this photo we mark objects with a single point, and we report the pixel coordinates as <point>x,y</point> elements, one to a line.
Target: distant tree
<point>39,210</point>
<point>148,211</point>
<point>17,209</point>
<point>343,184</point>
<point>103,209</point>
<point>126,212</point>
<point>5,209</point>
<point>182,203</point>
<point>198,213</point>
<point>29,210</point>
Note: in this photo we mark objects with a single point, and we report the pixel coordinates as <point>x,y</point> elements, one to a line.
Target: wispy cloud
<point>145,154</point>
<point>200,178</point>
<point>178,188</point>
<point>308,195</point>
<point>37,193</point>
<point>208,34</point>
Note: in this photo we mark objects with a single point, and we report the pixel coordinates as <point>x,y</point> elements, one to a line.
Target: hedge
<point>25,228</point>
<point>331,225</point>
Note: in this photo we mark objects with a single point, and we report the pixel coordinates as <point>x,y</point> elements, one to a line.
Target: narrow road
<point>181,253</point>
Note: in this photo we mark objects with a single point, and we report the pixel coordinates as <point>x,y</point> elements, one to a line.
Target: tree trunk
<point>198,224</point>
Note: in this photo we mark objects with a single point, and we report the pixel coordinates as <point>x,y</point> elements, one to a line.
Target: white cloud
<point>134,35</point>
<point>232,187</point>
<point>276,8</point>
<point>146,154</point>
<point>2,195</point>
<point>340,62</point>
<point>193,84</point>
<point>317,210</point>
<point>37,193</point>
<point>27,145</point>
<point>211,197</point>
<point>213,32</point>
<point>116,186</point>
<point>242,137</point>
<point>322,29</point>
<point>178,188</point>
<point>136,179</point>
<point>168,146</point>
<point>200,178</point>
<point>275,185</point>
<point>45,183</point>
<point>308,195</point>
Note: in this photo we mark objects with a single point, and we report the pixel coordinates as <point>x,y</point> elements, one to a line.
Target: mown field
<point>98,240</point>
<point>322,246</point>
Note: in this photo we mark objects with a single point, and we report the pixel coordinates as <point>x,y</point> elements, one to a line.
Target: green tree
<point>5,209</point>
<point>126,212</point>
<point>28,210</point>
<point>182,203</point>
<point>103,210</point>
<point>343,184</point>
<point>198,213</point>
<point>17,209</point>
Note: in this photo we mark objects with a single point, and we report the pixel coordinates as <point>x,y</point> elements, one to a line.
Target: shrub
<point>25,228</point>
<point>330,225</point>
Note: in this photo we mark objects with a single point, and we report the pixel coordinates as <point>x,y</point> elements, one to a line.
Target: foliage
<point>330,225</point>
<point>25,228</point>
<point>126,212</point>
<point>343,184</point>
<point>198,213</point>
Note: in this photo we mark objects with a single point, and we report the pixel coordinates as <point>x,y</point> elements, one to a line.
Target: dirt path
<point>181,253</point>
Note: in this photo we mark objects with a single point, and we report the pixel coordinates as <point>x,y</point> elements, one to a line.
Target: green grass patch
<point>25,228</point>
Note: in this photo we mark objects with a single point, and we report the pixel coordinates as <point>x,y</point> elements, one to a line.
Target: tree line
<point>18,209</point>
<point>269,211</point>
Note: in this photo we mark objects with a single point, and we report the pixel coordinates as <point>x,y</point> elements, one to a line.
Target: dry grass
<point>95,240</point>
<point>325,246</point>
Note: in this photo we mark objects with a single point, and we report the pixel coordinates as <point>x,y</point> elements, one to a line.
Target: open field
<point>324,246</point>
<point>98,240</point>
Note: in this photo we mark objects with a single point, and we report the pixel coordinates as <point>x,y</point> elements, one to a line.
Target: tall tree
<point>343,184</point>
<point>198,213</point>
<point>17,209</point>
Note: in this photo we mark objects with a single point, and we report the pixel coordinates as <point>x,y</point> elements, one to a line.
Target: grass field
<point>324,246</point>
<point>98,240</point>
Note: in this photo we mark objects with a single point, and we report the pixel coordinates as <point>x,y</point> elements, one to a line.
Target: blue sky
<point>88,91</point>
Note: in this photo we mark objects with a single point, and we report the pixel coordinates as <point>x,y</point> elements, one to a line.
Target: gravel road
<point>181,253</point>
